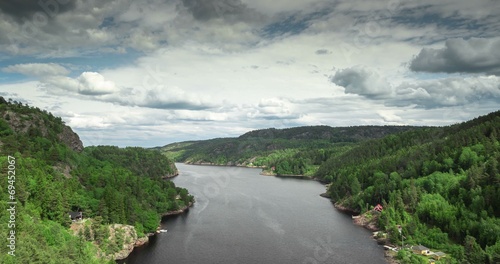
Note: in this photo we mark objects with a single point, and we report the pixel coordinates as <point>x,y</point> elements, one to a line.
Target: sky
<point>153,72</point>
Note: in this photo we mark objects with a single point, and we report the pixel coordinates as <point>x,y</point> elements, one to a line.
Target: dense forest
<point>290,151</point>
<point>442,185</point>
<point>51,174</point>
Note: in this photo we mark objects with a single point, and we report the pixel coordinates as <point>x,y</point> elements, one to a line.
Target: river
<point>243,217</point>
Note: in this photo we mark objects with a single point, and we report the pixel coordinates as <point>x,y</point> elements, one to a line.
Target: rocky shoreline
<point>370,223</point>
<point>140,241</point>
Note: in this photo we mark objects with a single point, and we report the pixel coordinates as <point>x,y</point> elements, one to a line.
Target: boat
<point>163,230</point>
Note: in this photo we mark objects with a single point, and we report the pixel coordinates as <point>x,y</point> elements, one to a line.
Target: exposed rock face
<point>141,241</point>
<point>70,139</point>
<point>34,124</point>
<point>129,237</point>
<point>368,220</point>
<point>175,172</point>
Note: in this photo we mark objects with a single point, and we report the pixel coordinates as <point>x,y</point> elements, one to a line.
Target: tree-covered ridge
<point>441,184</point>
<point>107,184</point>
<point>298,150</point>
<point>140,161</point>
<point>332,134</point>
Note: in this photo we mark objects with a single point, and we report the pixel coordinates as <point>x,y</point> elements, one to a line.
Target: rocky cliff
<point>33,122</point>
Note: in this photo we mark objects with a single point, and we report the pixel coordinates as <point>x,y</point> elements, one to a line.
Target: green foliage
<point>473,252</point>
<point>139,228</point>
<point>493,253</point>
<point>108,184</point>
<point>407,257</point>
<point>140,161</point>
<point>440,184</point>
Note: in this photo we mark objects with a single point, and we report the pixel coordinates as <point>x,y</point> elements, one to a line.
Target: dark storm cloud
<point>25,9</point>
<point>476,55</point>
<point>208,9</point>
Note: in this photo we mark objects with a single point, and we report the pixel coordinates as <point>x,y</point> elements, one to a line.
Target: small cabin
<point>76,216</point>
<point>420,250</point>
<point>378,208</point>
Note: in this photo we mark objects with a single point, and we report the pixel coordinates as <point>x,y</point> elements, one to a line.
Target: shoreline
<point>145,239</point>
<point>221,165</point>
<point>166,177</point>
<point>265,173</point>
<point>177,212</point>
<point>371,225</point>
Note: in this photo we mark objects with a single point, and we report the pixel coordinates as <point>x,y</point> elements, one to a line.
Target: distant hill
<point>298,150</point>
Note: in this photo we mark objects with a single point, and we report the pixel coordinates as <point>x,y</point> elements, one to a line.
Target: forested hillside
<point>297,151</point>
<point>140,161</point>
<point>442,185</point>
<point>47,173</point>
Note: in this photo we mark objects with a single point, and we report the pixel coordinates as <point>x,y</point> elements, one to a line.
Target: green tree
<point>473,252</point>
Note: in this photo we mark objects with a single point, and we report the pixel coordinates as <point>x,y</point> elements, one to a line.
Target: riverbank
<point>229,164</point>
<point>303,177</point>
<point>138,242</point>
<point>177,212</point>
<point>166,177</point>
<point>369,221</point>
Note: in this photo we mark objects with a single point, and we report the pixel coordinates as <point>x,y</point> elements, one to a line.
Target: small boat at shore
<point>163,230</point>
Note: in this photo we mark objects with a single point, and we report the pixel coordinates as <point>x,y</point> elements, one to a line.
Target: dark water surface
<point>243,217</point>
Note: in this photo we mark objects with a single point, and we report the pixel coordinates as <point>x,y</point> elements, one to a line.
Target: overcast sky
<point>152,72</point>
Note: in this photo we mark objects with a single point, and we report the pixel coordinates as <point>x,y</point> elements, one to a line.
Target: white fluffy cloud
<point>88,83</point>
<point>93,83</point>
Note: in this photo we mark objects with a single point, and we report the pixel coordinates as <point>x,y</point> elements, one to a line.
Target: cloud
<point>446,92</point>
<point>322,52</point>
<point>207,68</point>
<point>475,55</point>
<point>37,69</point>
<point>169,98</point>
<point>428,94</point>
<point>209,9</point>
<point>25,9</point>
<point>88,83</point>
<point>389,116</point>
<point>93,83</point>
<point>273,109</point>
<point>94,86</point>
<point>362,81</point>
